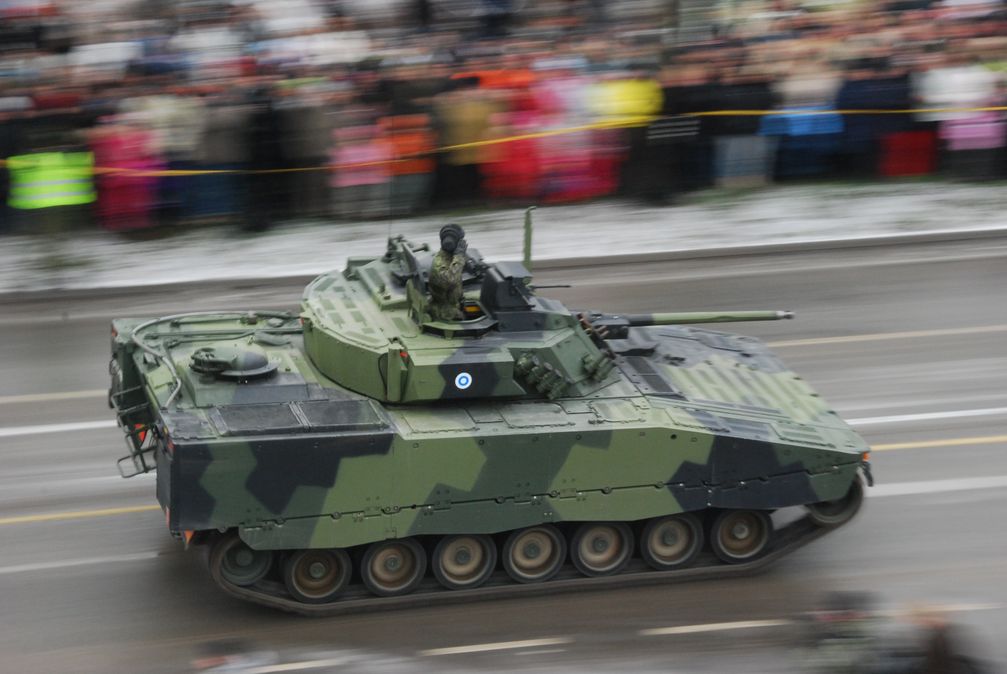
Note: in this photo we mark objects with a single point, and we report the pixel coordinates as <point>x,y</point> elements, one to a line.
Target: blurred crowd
<point>153,112</point>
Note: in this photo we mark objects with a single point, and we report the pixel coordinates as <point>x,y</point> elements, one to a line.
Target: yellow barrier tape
<point>853,111</point>
<point>620,123</point>
<point>152,173</point>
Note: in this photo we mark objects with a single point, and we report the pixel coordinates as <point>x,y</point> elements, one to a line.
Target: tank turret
<point>371,329</point>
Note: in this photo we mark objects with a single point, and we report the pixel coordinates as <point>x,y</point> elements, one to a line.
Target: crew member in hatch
<point>445,280</point>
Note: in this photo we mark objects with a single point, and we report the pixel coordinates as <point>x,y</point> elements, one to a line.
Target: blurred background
<point>842,158</point>
<point>362,110</point>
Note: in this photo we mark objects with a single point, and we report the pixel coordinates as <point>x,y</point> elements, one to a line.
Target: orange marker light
<point>866,456</point>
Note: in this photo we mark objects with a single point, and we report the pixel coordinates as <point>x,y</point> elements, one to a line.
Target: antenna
<point>527,237</point>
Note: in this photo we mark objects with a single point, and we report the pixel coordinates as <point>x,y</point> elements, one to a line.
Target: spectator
<point>464,119</point>
<point>411,141</point>
<point>361,173</point>
<point>743,158</point>
<point>224,152</point>
<point>306,129</point>
<point>127,194</point>
<point>266,195</point>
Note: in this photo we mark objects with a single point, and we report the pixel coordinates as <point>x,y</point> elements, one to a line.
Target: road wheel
<point>834,513</point>
<point>671,542</point>
<point>740,535</point>
<point>464,562</point>
<point>601,548</point>
<point>317,576</point>
<point>393,567</point>
<point>534,554</point>
<point>239,564</point>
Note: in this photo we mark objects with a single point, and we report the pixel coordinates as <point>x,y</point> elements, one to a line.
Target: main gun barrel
<point>616,326</point>
<point>692,317</point>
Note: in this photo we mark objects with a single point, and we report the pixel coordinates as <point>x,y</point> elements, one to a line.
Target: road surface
<point>910,344</point>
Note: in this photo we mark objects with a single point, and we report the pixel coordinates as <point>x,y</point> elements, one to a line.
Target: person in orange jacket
<point>412,143</point>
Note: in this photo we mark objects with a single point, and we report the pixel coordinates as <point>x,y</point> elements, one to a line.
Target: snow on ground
<point>707,220</point>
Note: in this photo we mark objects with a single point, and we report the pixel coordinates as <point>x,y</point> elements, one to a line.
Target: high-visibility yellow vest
<point>627,98</point>
<point>48,179</point>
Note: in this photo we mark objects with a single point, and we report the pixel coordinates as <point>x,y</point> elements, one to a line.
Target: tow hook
<point>866,466</point>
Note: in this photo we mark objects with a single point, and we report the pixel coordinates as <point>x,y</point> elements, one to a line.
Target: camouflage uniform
<point>445,284</point>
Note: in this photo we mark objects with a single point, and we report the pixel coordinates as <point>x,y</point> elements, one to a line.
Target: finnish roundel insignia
<point>463,380</point>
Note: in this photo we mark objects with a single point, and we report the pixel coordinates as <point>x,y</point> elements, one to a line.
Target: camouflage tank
<point>429,428</point>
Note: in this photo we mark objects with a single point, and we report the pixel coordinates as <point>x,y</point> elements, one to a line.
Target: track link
<point>786,540</point>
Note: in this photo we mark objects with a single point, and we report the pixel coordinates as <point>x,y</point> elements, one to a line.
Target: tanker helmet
<point>451,236</point>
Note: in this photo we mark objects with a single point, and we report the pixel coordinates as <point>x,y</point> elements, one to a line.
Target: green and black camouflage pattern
<point>362,419</point>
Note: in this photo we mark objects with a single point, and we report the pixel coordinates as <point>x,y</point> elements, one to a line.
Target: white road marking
<point>541,651</point>
<point>973,441</point>
<point>712,627</point>
<point>297,666</point>
<point>885,336</point>
<point>497,646</point>
<point>784,622</point>
<point>49,397</point>
<point>848,407</point>
<point>927,416</point>
<point>940,608</point>
<point>48,566</point>
<point>15,431</point>
<point>937,486</point>
<point>38,481</point>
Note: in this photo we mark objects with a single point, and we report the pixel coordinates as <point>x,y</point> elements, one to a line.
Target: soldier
<point>445,280</point>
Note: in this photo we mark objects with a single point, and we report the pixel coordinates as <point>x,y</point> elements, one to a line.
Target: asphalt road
<point>909,343</point>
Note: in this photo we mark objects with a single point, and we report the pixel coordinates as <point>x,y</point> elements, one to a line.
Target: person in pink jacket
<point>361,165</point>
<point>126,190</point>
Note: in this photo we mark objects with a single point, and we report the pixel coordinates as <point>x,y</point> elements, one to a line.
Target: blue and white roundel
<point>463,380</point>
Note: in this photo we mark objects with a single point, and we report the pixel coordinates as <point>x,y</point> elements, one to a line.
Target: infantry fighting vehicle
<point>359,451</point>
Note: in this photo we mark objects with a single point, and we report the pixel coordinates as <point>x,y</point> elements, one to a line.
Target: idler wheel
<point>393,567</point>
<point>840,511</point>
<point>671,542</point>
<point>239,564</point>
<point>464,562</point>
<point>534,554</point>
<point>601,548</point>
<point>740,535</point>
<point>317,576</point>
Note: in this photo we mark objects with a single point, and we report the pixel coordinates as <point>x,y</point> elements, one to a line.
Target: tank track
<point>786,539</point>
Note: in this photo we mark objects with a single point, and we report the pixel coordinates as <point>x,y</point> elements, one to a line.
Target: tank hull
<point>336,469</point>
<point>485,469</point>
